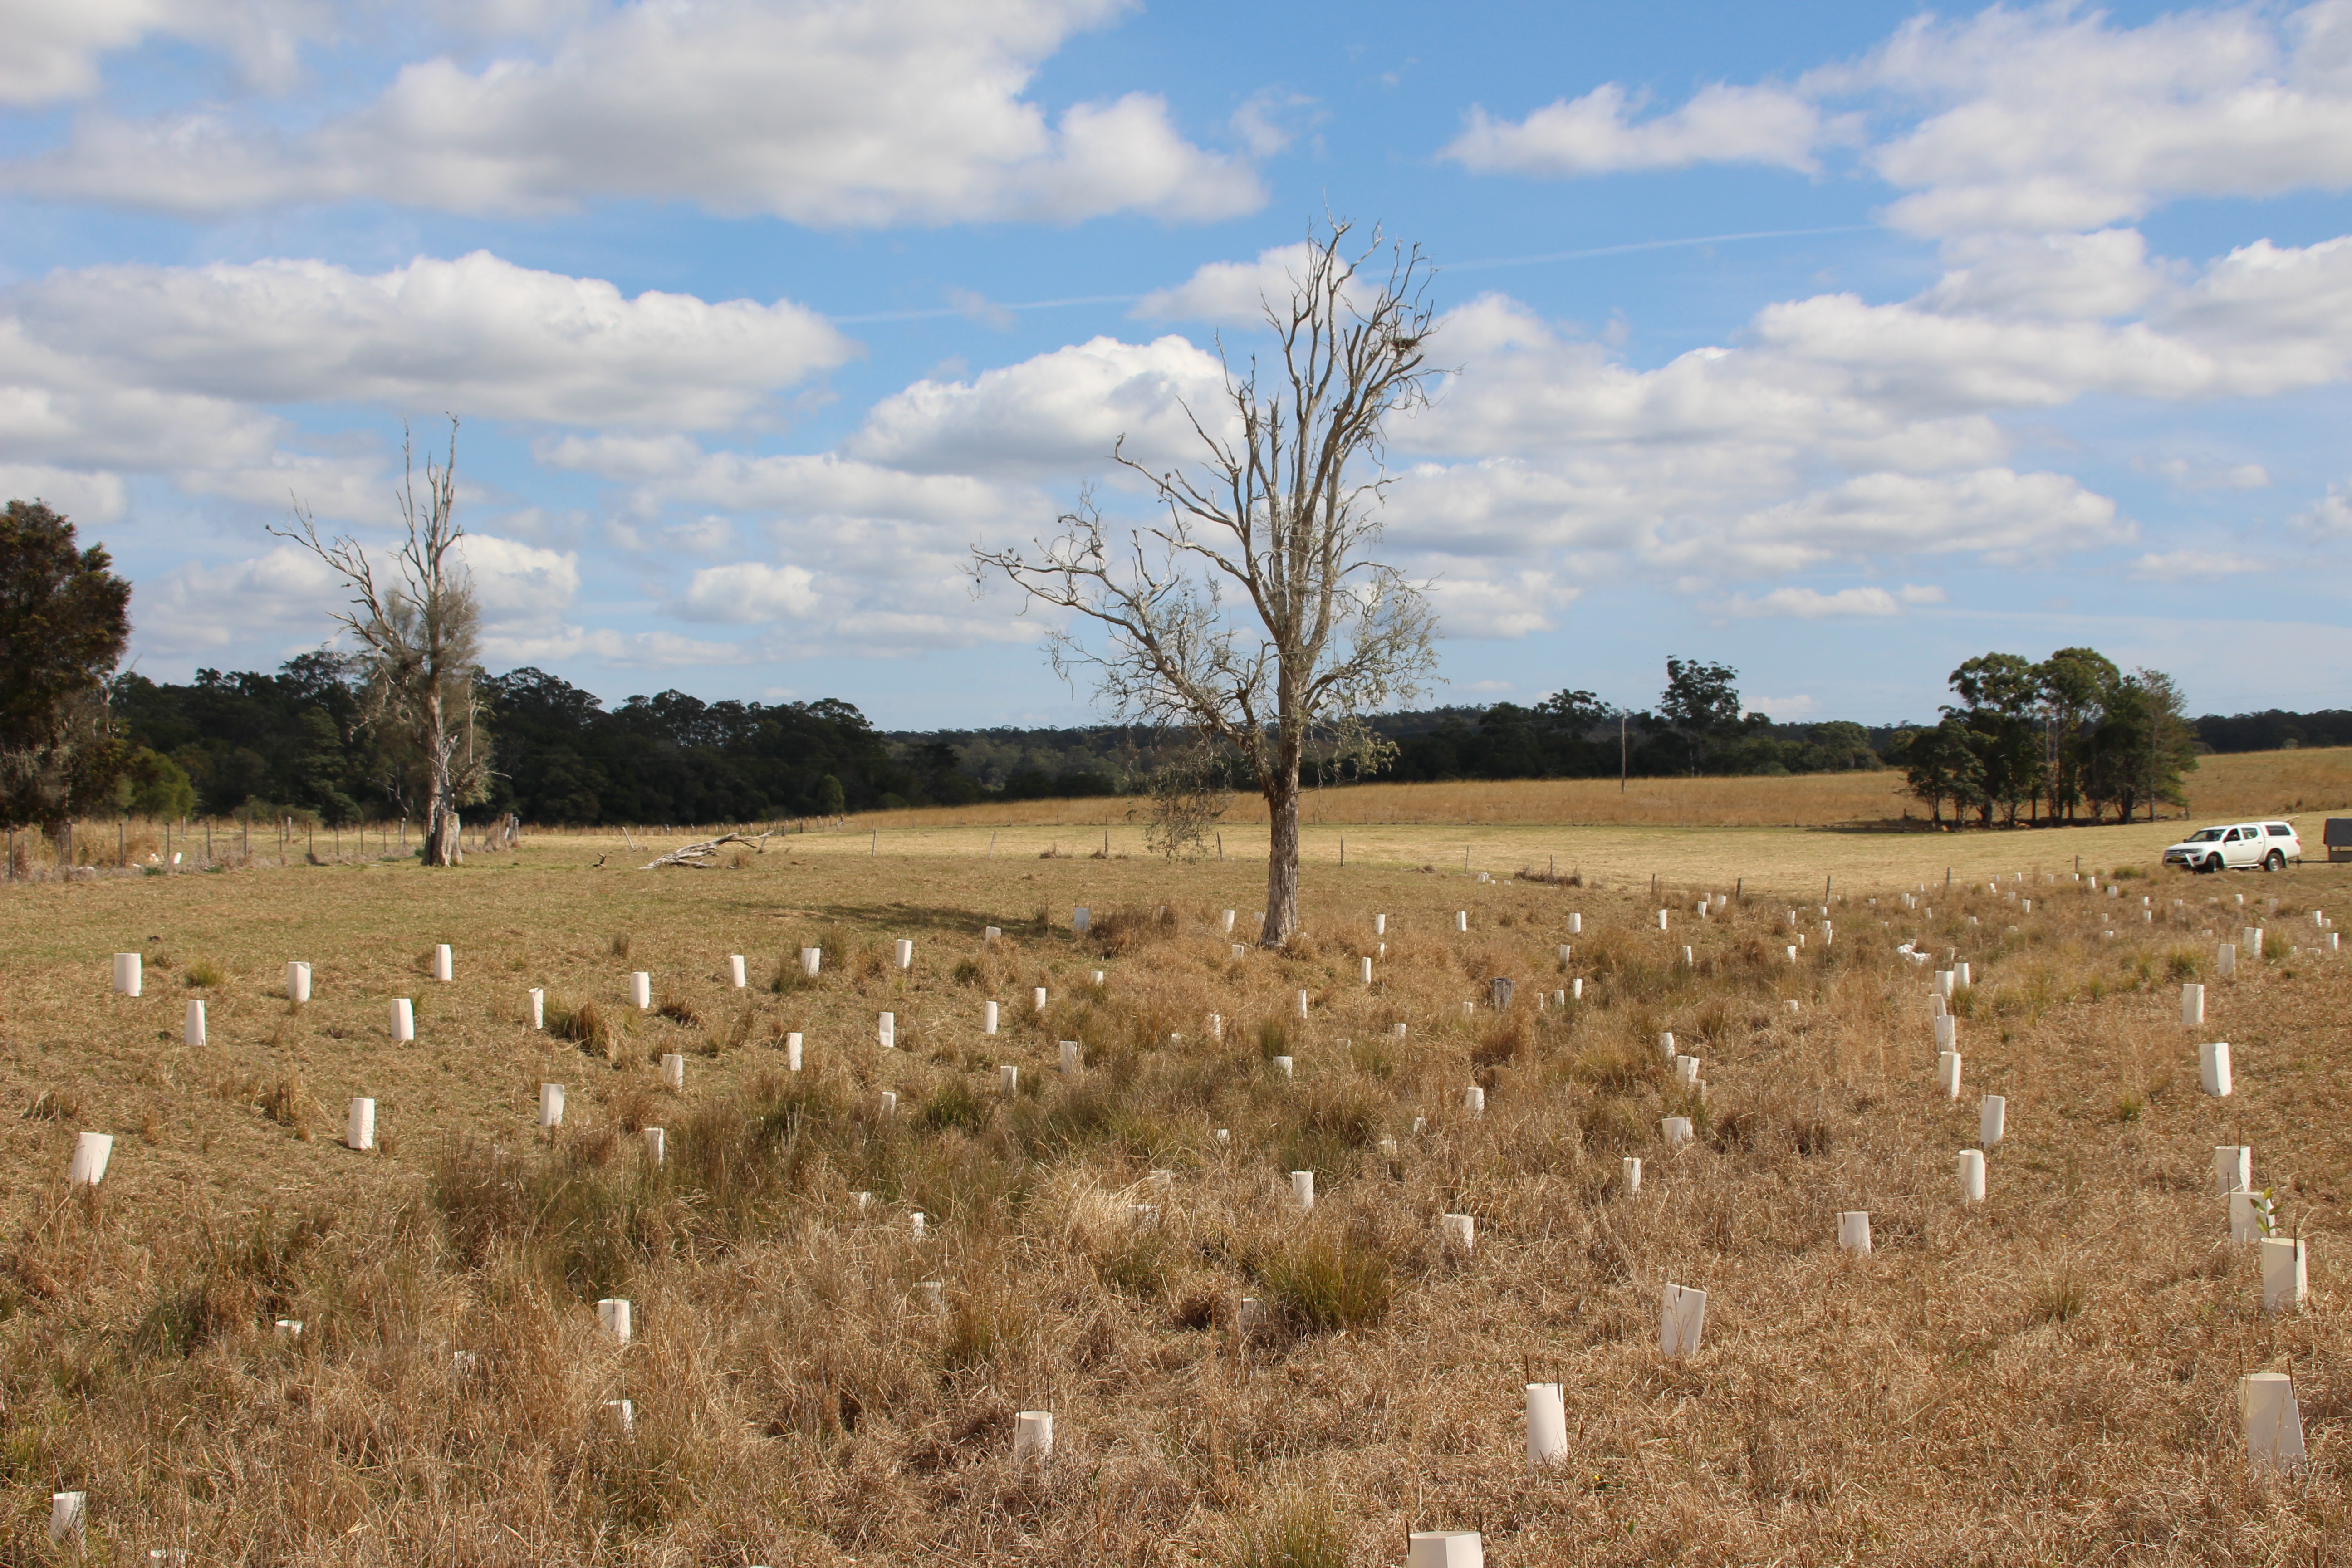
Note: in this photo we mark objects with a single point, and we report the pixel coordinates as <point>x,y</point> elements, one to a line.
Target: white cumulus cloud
<point>2051,118</point>
<point>475,335</point>
<point>1812,605</point>
<point>1595,134</point>
<point>53,51</point>
<point>1233,293</point>
<point>2331,516</point>
<point>515,580</point>
<point>1056,413</point>
<point>844,116</point>
<point>84,497</point>
<point>750,591</point>
<point>2194,566</point>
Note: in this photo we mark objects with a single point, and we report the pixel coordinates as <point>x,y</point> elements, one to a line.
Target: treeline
<point>2024,741</point>
<point>1698,727</point>
<point>264,746</point>
<point>2274,730</point>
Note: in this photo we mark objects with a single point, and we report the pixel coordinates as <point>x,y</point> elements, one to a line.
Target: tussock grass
<point>584,1024</point>
<point>2036,1378</point>
<point>1299,1530</point>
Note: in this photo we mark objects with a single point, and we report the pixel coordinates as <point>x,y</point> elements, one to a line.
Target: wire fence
<point>132,846</point>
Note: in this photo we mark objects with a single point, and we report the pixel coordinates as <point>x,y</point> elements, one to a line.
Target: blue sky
<point>1836,343</point>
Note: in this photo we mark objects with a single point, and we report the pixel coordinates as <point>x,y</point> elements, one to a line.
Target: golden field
<point>2049,1376</point>
<point>2240,784</point>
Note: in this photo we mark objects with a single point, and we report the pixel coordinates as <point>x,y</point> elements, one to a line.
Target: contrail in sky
<point>941,312</point>
<point>1651,245</point>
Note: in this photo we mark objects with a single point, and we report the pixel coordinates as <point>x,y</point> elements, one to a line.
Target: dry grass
<point>2049,1377</point>
<point>2241,784</point>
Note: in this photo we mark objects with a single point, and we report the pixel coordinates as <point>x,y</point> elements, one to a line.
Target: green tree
<point>1701,702</point>
<point>2000,692</point>
<point>830,801</point>
<point>65,618</point>
<point>153,785</point>
<point>1939,765</point>
<point>2140,749</point>
<point>2075,683</point>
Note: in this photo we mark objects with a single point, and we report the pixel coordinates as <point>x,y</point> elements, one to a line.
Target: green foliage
<point>1941,764</point>
<point>64,622</point>
<point>1320,1282</point>
<point>2074,730</point>
<point>153,785</point>
<point>954,1104</point>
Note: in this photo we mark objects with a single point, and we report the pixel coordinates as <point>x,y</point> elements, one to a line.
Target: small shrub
<point>1619,1068</point>
<point>978,1325</point>
<point>204,971</point>
<point>287,1101</point>
<point>1329,1134</point>
<point>1274,1038</point>
<point>2060,1297</point>
<point>1319,1283</point>
<point>1372,1059</point>
<point>953,1104</point>
<point>620,945</point>
<point>1505,1040</point>
<point>586,1024</point>
<point>968,972</point>
<point>678,1010</point>
<point>737,1038</point>
<point>1137,1263</point>
<point>54,1105</point>
<point>1613,1125</point>
<point>1300,1530</point>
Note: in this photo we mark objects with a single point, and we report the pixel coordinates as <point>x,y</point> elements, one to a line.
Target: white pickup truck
<point>2236,847</point>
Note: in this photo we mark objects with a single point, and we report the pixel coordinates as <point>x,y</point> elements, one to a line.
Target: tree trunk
<point>1282,850</point>
<point>441,847</point>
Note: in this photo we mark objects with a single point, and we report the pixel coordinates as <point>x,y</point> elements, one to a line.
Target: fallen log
<point>699,856</point>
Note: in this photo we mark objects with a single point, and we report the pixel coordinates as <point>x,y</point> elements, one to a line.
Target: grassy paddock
<point>2037,1379</point>
<point>2241,784</point>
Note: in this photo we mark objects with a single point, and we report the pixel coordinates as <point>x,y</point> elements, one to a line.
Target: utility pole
<point>1620,754</point>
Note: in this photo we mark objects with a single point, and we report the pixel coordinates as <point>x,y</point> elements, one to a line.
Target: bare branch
<point>420,640</point>
<point>1252,611</point>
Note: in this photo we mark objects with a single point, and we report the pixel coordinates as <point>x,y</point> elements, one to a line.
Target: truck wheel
<point>2212,864</point>
<point>2275,861</point>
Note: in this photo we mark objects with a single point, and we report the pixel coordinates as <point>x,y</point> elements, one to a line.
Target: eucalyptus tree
<point>1253,610</point>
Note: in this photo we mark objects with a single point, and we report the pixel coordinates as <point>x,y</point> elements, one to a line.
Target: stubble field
<point>2047,1376</point>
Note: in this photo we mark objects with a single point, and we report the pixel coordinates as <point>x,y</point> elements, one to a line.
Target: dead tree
<point>1252,612</point>
<point>420,641</point>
